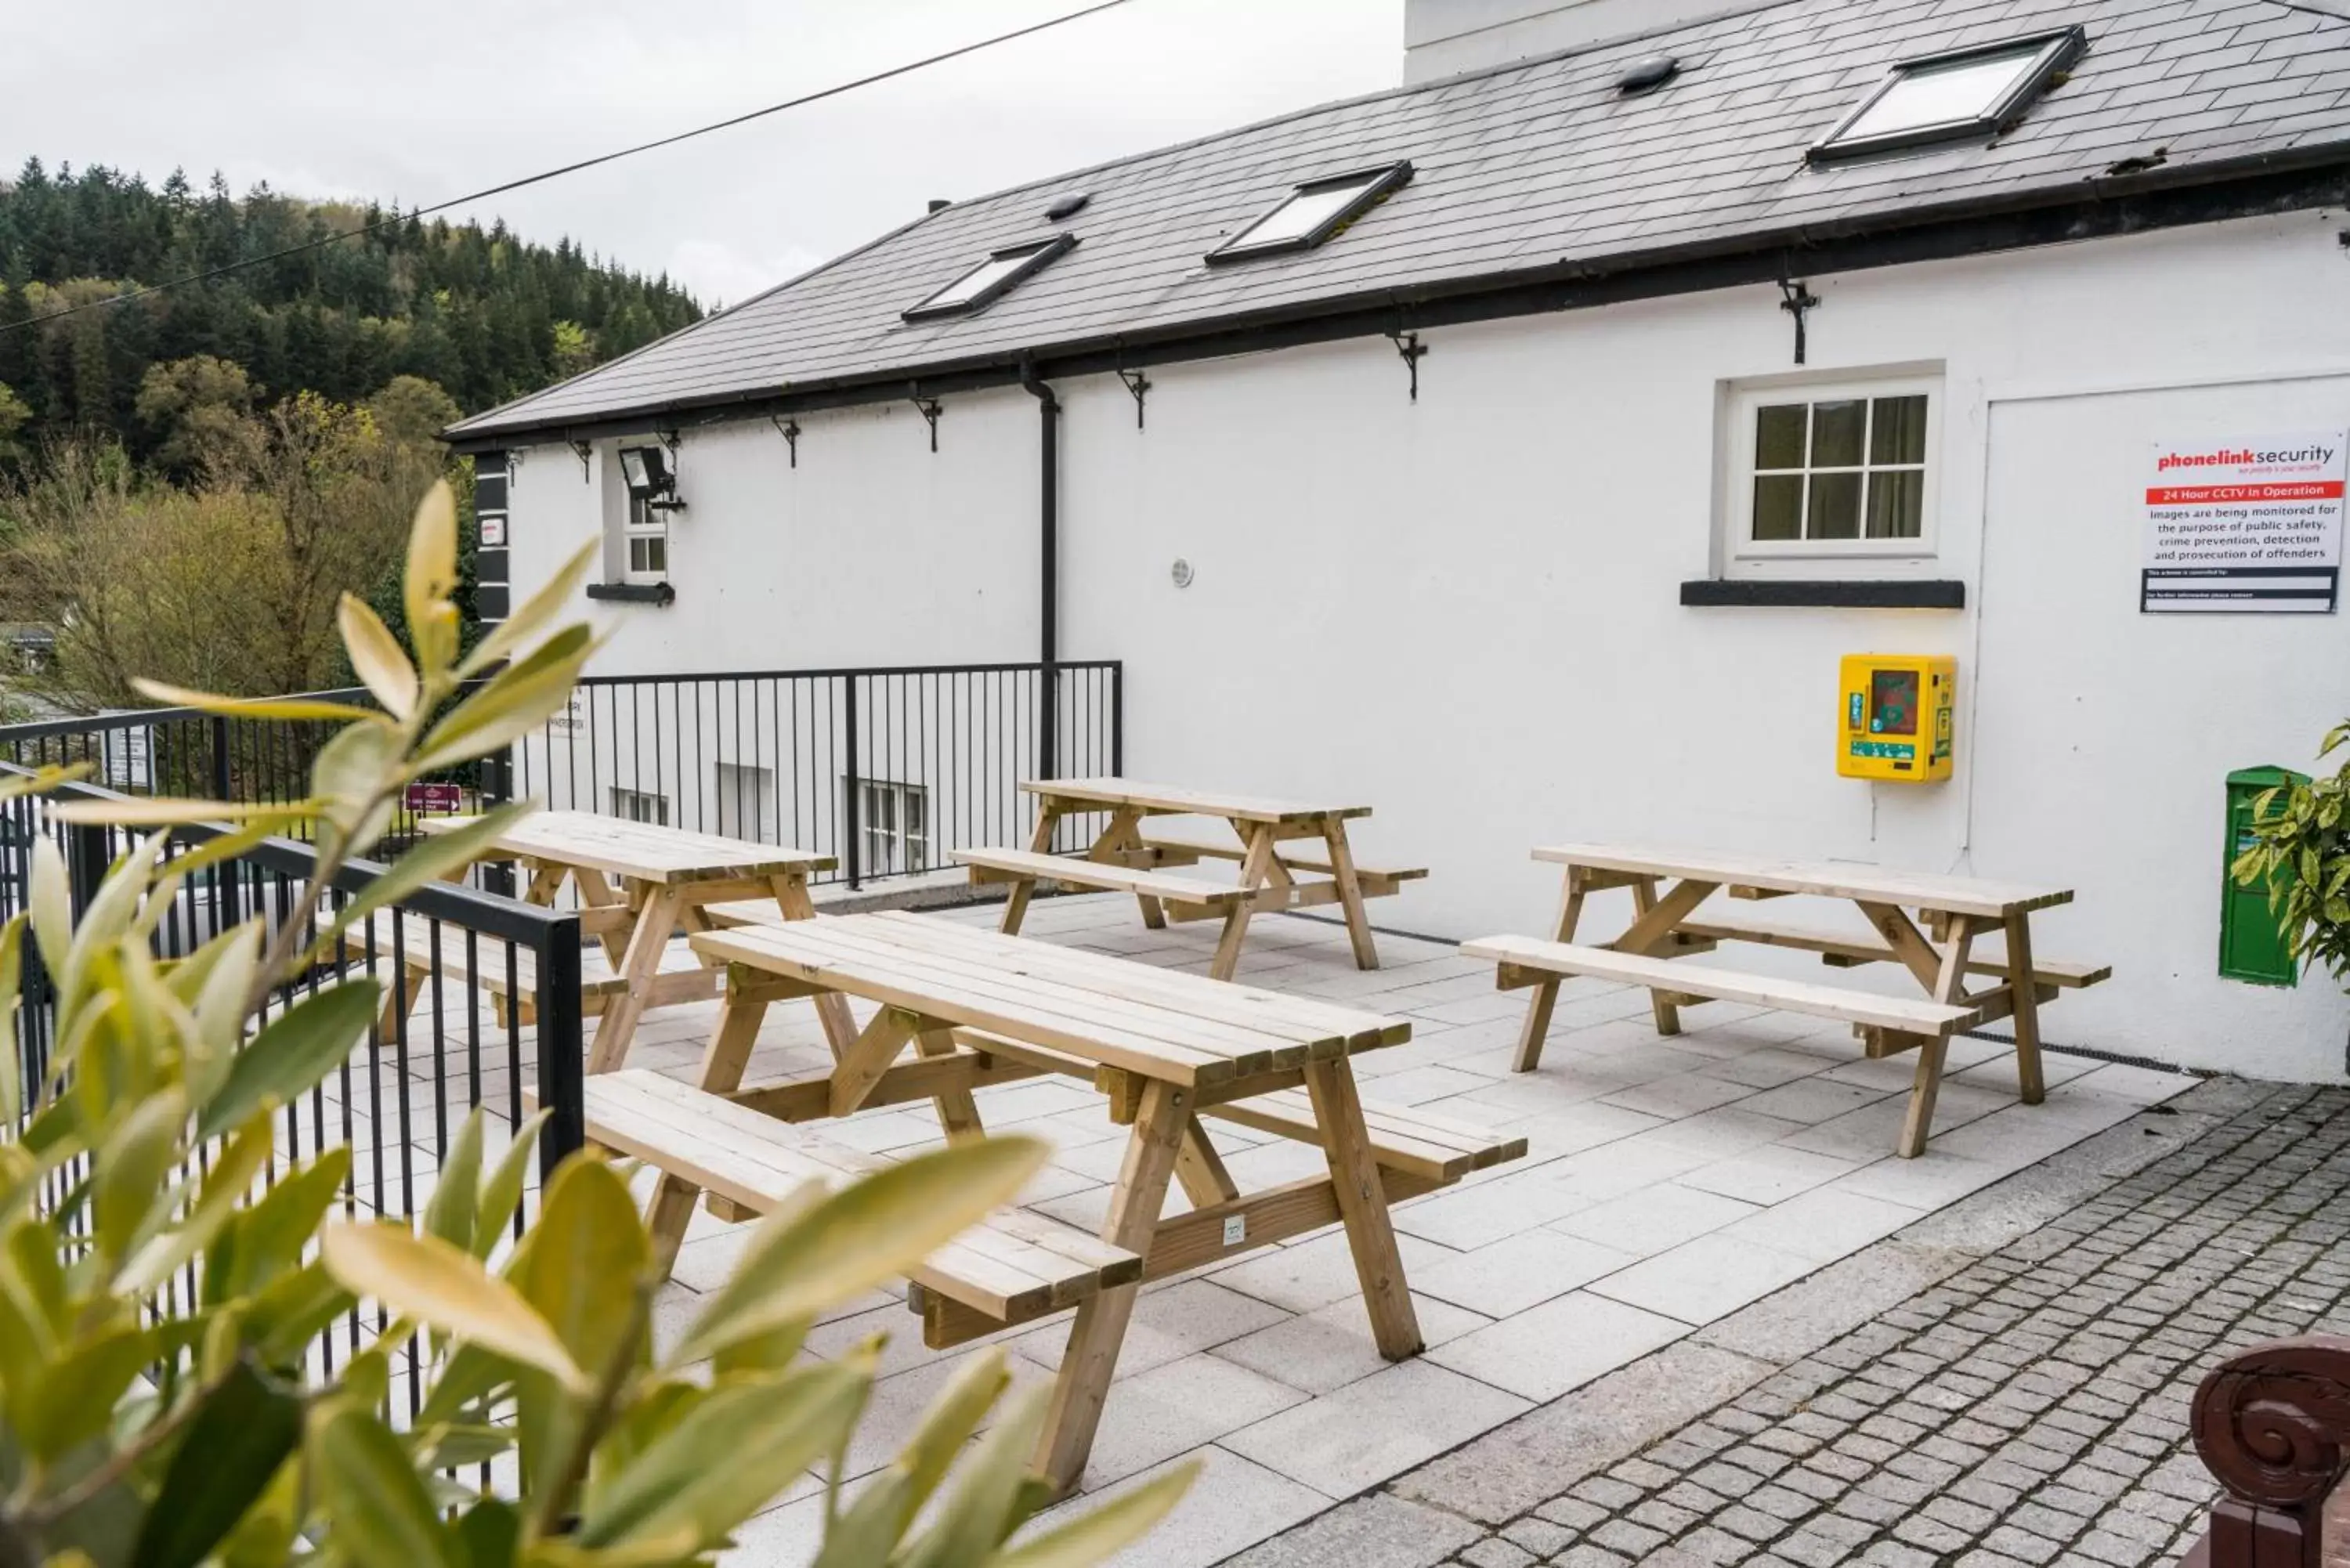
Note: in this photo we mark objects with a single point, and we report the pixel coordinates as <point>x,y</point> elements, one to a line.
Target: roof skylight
<point>991,279</point>
<point>1314,212</point>
<point>1969,92</point>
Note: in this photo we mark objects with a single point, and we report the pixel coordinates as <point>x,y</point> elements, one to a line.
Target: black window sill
<point>633,593</point>
<point>1782,593</point>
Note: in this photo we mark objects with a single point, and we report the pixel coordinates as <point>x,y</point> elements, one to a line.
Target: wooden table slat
<point>643,851</point>
<point>1118,792</point>
<point>1825,878</point>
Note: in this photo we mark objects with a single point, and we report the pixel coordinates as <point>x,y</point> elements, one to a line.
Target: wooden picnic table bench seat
<point>1433,1148</point>
<point>1175,848</point>
<point>1024,866</point>
<point>1013,1267</point>
<point>681,977</point>
<point>1908,1016</point>
<point>1838,950</point>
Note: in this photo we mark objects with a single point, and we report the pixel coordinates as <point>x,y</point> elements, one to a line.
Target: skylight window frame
<point>1384,181</point>
<point>1038,253</point>
<point>2056,53</point>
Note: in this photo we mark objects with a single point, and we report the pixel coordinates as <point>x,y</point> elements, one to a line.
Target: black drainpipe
<point>1048,717</point>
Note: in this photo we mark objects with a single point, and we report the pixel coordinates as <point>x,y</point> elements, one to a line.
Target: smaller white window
<point>645,537</point>
<point>1312,212</point>
<point>1826,470</point>
<point>746,802</point>
<point>638,805</point>
<point>895,819</point>
<point>1967,92</point>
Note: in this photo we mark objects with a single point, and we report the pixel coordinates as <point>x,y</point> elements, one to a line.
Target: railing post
<point>497,788</point>
<point>1118,717</point>
<point>562,1047</point>
<point>86,863</point>
<point>1048,720</point>
<point>852,853</point>
<point>227,887</point>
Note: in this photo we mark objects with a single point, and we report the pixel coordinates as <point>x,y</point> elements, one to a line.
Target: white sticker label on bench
<point>1235,1230</point>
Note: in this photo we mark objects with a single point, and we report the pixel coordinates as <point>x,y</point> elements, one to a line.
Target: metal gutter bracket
<point>586,451</point>
<point>929,408</point>
<point>789,429</point>
<point>1137,383</point>
<point>1799,302</point>
<point>1413,351</point>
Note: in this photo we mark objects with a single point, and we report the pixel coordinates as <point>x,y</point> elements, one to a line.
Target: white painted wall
<point>1464,612</point>
<point>1443,38</point>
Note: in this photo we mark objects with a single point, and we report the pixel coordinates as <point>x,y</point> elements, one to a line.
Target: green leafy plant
<point>166,1270</point>
<point>2301,853</point>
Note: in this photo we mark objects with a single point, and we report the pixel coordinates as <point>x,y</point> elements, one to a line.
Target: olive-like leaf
<point>501,1189</point>
<point>12,1064</point>
<point>244,1429</point>
<point>588,1253</point>
<point>729,1456</point>
<point>74,1398</point>
<point>133,1167</point>
<point>516,700</point>
<point>297,1048</point>
<point>424,1278</point>
<point>375,654</point>
<point>1101,1533</point>
<point>432,575</point>
<point>536,611</point>
<point>296,708</point>
<point>430,861</point>
<point>241,1159</point>
<point>379,1513</point>
<point>800,1260</point>
<point>449,1213</point>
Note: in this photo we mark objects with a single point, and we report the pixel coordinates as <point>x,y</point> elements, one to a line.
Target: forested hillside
<point>479,312</point>
<point>190,480</point>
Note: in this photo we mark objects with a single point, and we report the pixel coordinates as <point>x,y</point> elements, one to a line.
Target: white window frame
<point>745,789</point>
<point>890,849</point>
<point>1740,549</point>
<point>641,521</point>
<point>638,805</point>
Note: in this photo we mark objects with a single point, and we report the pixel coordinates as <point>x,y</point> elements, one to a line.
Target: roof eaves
<point>2101,206</point>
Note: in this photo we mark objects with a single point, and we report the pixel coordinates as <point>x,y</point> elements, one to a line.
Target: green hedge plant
<point>166,1268</point>
<point>2301,853</point>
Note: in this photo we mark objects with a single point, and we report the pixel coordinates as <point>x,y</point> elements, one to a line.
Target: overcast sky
<point>435,97</point>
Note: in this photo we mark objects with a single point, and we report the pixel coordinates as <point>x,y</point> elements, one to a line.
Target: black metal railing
<point>452,961</point>
<point>190,753</point>
<point>885,770</point>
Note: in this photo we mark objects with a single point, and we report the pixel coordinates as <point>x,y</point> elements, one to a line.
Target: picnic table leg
<point>597,894</point>
<point>1256,869</point>
<point>1201,1170</point>
<point>832,1007</point>
<point>1100,1330</point>
<point>639,967</point>
<point>1948,986</point>
<point>1015,902</point>
<point>1350,894</point>
<point>723,1062</point>
<point>1363,1205</point>
<point>545,882</point>
<point>2027,991</point>
<point>1545,997</point>
<point>1645,905</point>
<point>1124,832</point>
<point>957,1111</point>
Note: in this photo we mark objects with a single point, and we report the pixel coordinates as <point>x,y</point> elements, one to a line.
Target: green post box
<point>2252,943</point>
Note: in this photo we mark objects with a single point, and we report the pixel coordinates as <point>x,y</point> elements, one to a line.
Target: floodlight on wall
<point>650,478</point>
<point>1950,96</point>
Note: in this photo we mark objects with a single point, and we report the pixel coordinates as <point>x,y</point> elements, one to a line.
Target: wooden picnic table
<point>640,882</point>
<point>977,1009</point>
<point>1955,911</point>
<point>1317,868</point>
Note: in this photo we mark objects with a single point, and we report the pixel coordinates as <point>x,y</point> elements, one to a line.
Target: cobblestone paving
<point>2030,1409</point>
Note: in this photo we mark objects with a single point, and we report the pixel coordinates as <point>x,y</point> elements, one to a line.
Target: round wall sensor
<point>1182,572</point>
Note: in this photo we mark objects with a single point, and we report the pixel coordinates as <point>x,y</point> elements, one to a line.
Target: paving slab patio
<point>2004,1382</point>
<point>1669,1185</point>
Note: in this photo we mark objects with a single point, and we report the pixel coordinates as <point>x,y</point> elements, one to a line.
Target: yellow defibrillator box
<point>1897,717</point>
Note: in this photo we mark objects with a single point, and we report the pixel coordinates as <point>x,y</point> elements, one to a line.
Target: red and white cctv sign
<point>2244,525</point>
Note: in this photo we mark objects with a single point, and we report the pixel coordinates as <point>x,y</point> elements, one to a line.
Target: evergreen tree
<point>483,314</point>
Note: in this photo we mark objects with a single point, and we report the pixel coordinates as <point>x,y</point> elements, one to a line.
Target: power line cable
<point>397,219</point>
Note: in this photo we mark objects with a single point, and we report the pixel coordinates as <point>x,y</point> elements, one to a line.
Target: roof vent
<point>939,203</point>
<point>1648,74</point>
<point>1069,207</point>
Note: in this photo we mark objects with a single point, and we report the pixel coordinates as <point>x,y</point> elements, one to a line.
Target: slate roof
<point>1524,167</point>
